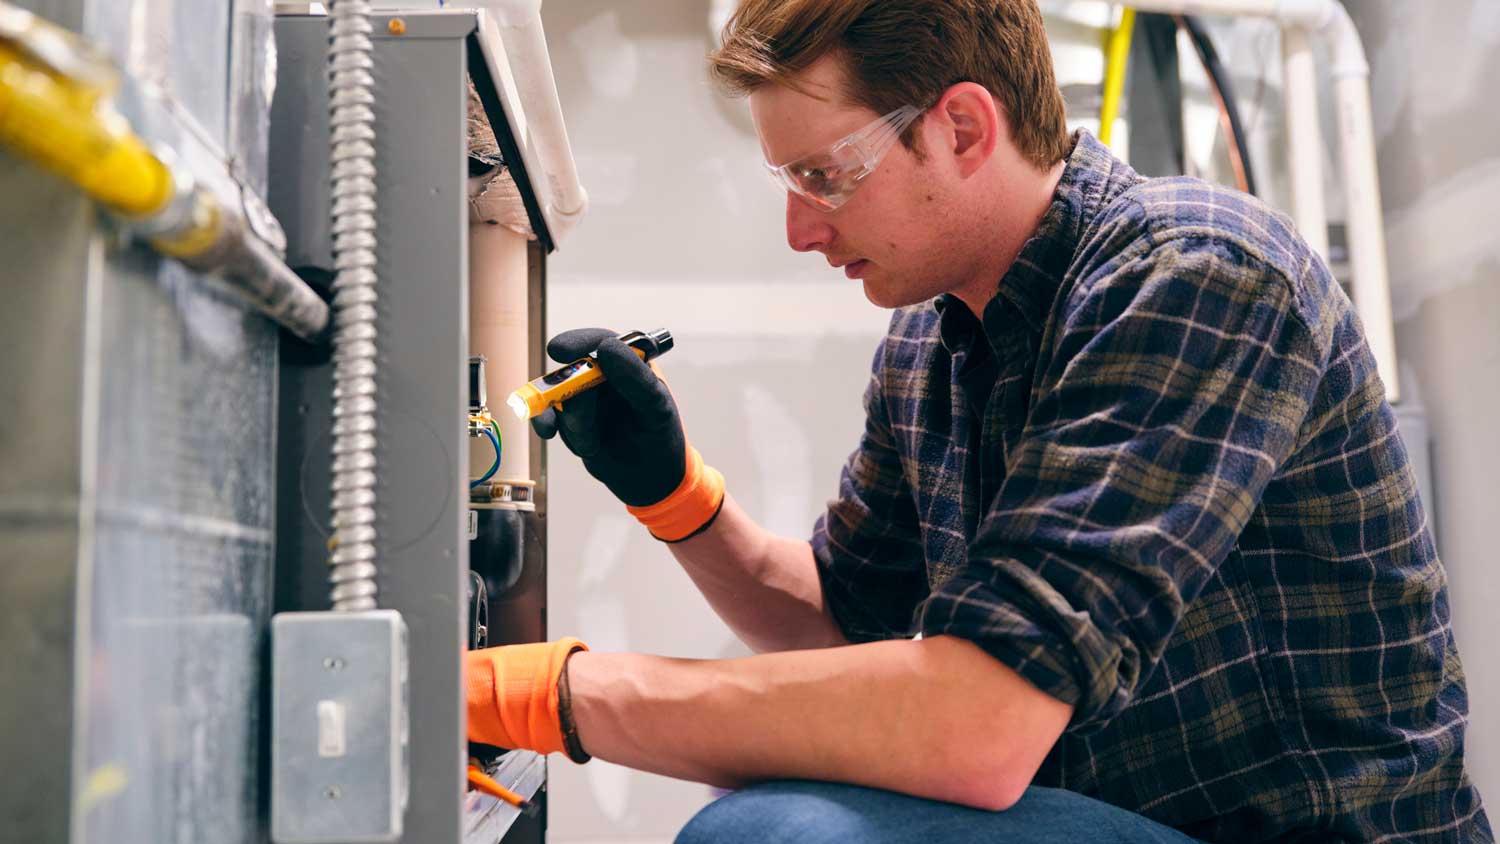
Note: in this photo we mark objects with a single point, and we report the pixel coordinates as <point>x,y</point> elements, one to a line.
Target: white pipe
<point>1230,8</point>
<point>1308,13</point>
<point>1304,138</point>
<point>499,320</point>
<point>1329,20</point>
<point>1365,217</point>
<point>520,25</point>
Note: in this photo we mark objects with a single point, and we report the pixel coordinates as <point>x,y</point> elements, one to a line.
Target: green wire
<point>494,467</point>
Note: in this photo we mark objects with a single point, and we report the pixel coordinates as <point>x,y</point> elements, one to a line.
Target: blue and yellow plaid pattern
<point>1158,477</point>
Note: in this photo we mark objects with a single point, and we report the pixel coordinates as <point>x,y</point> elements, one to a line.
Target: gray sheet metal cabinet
<point>136,514</point>
<point>423,388</point>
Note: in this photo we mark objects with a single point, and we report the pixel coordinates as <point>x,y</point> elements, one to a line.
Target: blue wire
<point>494,441</point>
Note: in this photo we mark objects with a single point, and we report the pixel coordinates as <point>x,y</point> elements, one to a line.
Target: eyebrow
<point>824,148</point>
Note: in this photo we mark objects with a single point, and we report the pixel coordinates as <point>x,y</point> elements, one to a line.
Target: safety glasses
<point>827,179</point>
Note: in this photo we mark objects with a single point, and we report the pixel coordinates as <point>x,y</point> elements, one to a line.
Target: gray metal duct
<point>136,509</point>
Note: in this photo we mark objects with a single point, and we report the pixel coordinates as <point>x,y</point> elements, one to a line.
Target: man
<point>1127,470</point>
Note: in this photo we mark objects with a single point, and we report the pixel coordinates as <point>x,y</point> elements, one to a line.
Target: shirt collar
<point>1090,180</point>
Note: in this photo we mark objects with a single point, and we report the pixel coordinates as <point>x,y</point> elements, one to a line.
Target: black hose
<point>1211,64</point>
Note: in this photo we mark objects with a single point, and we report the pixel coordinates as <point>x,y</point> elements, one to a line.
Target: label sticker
<point>473,524</point>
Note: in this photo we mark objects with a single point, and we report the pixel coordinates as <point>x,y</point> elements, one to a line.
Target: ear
<point>971,123</point>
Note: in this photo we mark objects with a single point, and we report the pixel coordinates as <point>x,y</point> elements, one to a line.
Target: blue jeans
<point>798,812</point>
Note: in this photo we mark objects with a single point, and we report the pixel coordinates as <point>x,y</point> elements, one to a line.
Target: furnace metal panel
<point>423,381</point>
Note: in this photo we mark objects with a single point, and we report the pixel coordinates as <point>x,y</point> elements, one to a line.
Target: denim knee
<point>776,813</point>
<point>800,812</point>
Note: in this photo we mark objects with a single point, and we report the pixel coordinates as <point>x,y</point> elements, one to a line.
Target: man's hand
<point>630,438</point>
<point>513,699</point>
<point>626,430</point>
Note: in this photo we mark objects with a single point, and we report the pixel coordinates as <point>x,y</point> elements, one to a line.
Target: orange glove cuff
<point>512,695</point>
<point>692,505</point>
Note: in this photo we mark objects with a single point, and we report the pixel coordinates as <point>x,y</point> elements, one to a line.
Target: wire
<point>494,467</point>
<point>1117,61</point>
<point>1223,90</point>
<point>484,418</point>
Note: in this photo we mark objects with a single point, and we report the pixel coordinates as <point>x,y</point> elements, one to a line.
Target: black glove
<point>626,430</point>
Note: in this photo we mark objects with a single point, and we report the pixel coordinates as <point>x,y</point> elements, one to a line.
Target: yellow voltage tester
<point>563,383</point>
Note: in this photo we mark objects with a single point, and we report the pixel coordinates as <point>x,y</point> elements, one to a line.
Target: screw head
<point>397,26</point>
<point>332,792</point>
<point>333,663</point>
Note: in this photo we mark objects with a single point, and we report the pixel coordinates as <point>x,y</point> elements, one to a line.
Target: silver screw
<point>332,792</point>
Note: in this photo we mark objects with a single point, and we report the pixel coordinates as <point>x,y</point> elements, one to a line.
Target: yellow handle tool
<point>564,383</point>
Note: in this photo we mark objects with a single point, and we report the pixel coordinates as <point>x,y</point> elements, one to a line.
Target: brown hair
<point>906,52</point>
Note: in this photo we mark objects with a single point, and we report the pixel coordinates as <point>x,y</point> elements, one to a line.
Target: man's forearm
<point>764,586</point>
<point>935,718</point>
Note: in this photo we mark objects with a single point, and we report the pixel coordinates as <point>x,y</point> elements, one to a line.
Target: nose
<point>807,228</point>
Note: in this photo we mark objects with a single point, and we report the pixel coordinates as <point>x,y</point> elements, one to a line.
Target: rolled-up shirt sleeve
<point>868,544</point>
<point>1175,389</point>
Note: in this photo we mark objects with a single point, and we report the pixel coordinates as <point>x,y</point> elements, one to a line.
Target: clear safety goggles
<point>827,179</point>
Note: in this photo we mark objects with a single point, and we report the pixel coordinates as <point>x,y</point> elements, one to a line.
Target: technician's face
<point>888,233</point>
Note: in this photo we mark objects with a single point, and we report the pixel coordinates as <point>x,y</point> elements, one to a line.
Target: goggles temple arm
<point>872,141</point>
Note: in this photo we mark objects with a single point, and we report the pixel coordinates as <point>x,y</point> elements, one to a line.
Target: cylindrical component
<point>1116,61</point>
<point>1365,218</point>
<point>563,383</point>
<point>498,323</point>
<point>1257,8</point>
<point>1367,257</point>
<point>64,127</point>
<point>520,23</point>
<point>1304,138</point>
<point>218,239</point>
<point>352,170</point>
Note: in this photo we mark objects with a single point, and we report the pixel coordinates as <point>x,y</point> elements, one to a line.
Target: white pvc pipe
<point>1232,8</point>
<point>1304,138</point>
<point>498,329</point>
<point>1309,13</point>
<point>520,25</point>
<point>1365,217</point>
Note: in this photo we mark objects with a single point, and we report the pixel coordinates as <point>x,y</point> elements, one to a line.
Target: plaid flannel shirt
<point>1158,477</point>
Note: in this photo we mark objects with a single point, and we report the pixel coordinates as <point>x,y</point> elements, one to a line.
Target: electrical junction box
<point>339,727</point>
